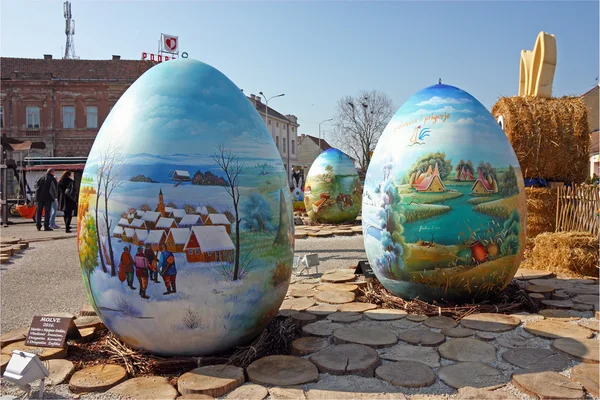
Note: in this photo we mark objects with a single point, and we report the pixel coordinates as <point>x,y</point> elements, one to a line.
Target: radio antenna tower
<point>69,31</point>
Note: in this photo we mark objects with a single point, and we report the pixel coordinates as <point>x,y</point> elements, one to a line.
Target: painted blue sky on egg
<point>186,106</point>
<point>469,132</point>
<point>341,164</point>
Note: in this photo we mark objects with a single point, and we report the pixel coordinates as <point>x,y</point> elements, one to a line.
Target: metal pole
<point>329,119</point>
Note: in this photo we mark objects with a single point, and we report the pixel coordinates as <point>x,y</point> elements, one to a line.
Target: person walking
<point>54,210</point>
<point>67,200</point>
<point>141,271</point>
<point>46,192</point>
<point>168,270</point>
<point>126,267</point>
<point>152,262</point>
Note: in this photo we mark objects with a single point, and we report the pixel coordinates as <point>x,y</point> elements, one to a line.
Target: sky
<point>317,52</point>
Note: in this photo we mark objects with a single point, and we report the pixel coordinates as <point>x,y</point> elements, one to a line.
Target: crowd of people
<point>52,195</point>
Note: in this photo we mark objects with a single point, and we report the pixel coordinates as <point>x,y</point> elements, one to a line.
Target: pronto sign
<point>49,331</point>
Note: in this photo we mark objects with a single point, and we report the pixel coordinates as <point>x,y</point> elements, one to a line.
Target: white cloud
<point>436,101</point>
<point>446,109</point>
<point>466,121</point>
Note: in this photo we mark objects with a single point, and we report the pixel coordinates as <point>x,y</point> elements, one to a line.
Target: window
<point>277,142</point>
<point>92,116</point>
<point>197,251</point>
<point>284,147</point>
<point>277,124</point>
<point>68,117</point>
<point>190,251</point>
<point>293,146</point>
<point>269,122</point>
<point>33,117</point>
<point>292,129</point>
<point>1,117</point>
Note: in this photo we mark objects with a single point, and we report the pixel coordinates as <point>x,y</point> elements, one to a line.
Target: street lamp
<point>267,107</point>
<point>330,119</point>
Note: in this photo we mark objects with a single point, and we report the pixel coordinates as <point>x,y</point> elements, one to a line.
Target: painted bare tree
<point>109,179</point>
<point>359,122</point>
<point>232,167</point>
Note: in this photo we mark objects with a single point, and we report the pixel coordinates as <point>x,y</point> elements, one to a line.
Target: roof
<point>324,144</point>
<point>140,213</point>
<point>118,230</point>
<point>483,181</point>
<point>136,223</point>
<point>179,213</point>
<point>594,142</point>
<point>189,219</point>
<point>212,238</point>
<point>57,167</point>
<point>151,216</point>
<point>141,234</point>
<point>129,232</point>
<point>59,69</point>
<point>202,210</point>
<point>123,222</point>
<point>261,108</point>
<point>154,237</point>
<point>180,235</point>
<point>180,172</point>
<point>165,222</point>
<point>219,219</point>
<point>591,90</point>
<point>169,209</point>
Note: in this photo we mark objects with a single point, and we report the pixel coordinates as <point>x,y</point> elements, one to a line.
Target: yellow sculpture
<point>537,67</point>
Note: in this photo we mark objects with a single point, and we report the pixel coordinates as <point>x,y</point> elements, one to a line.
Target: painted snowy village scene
<point>444,202</point>
<point>185,179</point>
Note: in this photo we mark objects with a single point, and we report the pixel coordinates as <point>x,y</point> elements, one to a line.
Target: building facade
<point>591,100</point>
<point>62,102</point>
<point>283,129</point>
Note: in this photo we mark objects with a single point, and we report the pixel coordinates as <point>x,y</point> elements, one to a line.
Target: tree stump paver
<point>422,337</point>
<point>530,358</point>
<point>489,322</point>
<point>385,314</point>
<point>467,349</point>
<point>458,332</point>
<point>590,323</point>
<point>416,318</point>
<point>97,378</point>
<point>297,304</point>
<point>302,292</point>
<point>344,287</point>
<point>87,311</point>
<point>286,393</point>
<point>558,304</point>
<point>357,307</point>
<point>469,393</point>
<point>403,352</point>
<point>302,318</point>
<point>309,345</point>
<point>321,328</point>
<point>146,387</point>
<point>547,384</point>
<point>472,374</point>
<point>339,277</point>
<point>528,274</point>
<point>545,291</point>
<point>344,317</point>
<point>588,299</point>
<point>89,322</point>
<point>565,315</point>
<point>368,336</point>
<point>335,296</point>
<point>13,336</point>
<point>322,310</point>
<point>440,322</point>
<point>411,374</point>
<point>248,391</point>
<point>584,350</point>
<point>59,371</point>
<point>282,371</point>
<point>212,380</point>
<point>44,353</point>
<point>555,329</point>
<point>347,359</point>
<point>588,376</point>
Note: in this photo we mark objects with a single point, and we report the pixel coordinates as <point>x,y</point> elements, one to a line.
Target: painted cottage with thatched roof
<point>483,185</point>
<point>432,183</point>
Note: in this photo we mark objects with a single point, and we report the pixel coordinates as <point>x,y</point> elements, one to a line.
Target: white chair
<point>309,261</point>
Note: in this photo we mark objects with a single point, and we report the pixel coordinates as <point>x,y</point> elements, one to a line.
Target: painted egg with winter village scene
<point>332,189</point>
<point>444,202</point>
<point>185,225</point>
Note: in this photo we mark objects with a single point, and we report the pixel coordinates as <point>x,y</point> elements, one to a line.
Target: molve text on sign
<point>48,331</point>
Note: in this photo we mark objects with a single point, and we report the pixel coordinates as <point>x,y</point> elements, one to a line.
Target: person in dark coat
<point>67,199</point>
<point>45,194</point>
<point>152,261</point>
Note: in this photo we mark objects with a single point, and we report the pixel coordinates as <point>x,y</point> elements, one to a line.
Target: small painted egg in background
<point>185,226</point>
<point>332,192</point>
<point>444,203</point>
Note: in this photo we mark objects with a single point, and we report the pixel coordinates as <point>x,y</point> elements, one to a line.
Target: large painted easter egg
<point>444,202</point>
<point>185,244</point>
<point>332,188</point>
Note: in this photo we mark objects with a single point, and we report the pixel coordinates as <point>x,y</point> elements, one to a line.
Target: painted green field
<point>452,182</point>
<point>415,212</point>
<point>430,198</point>
<point>498,208</point>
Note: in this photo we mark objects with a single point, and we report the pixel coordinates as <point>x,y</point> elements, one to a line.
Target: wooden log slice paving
<point>44,353</point>
<point>344,317</point>
<point>339,277</point>
<point>13,336</point>
<point>87,311</point>
<point>357,229</point>
<point>10,240</point>
<point>343,232</point>
<point>213,380</point>
<point>24,245</point>
<point>286,393</point>
<point>357,307</point>
<point>320,234</point>
<point>534,358</point>
<point>322,310</point>
<point>458,332</point>
<point>297,304</point>
<point>344,287</point>
<point>582,307</point>
<point>469,393</point>
<point>249,391</point>
<point>547,385</point>
<point>147,387</point>
<point>321,328</point>
<point>302,318</point>
<point>300,235</point>
<point>591,324</point>
<point>4,359</point>
<point>528,274</point>
<point>385,314</point>
<point>286,313</point>
<point>555,329</point>
<point>537,298</point>
<point>565,315</point>
<point>195,396</point>
<point>466,349</point>
<point>308,345</point>
<point>440,322</point>
<point>489,322</point>
<point>422,337</point>
<point>589,299</point>
<point>351,387</point>
<point>282,371</point>
<point>335,297</point>
<point>16,249</point>
<point>89,322</point>
<point>557,304</point>
<point>369,336</point>
<point>4,260</point>
<point>560,295</point>
<point>584,350</point>
<point>416,318</point>
<point>59,371</point>
<point>97,378</point>
<point>515,342</point>
<point>485,336</point>
<point>411,374</point>
<point>583,289</point>
<point>301,286</point>
<point>7,251</point>
<point>347,359</point>
<point>302,293</point>
<point>402,352</point>
<point>472,374</point>
<point>546,291</point>
<point>588,376</point>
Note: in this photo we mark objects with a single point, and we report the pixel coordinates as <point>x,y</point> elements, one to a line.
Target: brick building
<point>62,102</point>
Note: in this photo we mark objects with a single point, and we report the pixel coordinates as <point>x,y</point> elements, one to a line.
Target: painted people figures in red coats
<point>168,270</point>
<point>141,271</point>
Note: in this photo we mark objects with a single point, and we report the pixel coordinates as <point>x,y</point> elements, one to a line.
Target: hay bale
<point>549,136</point>
<point>568,253</point>
<point>541,210</point>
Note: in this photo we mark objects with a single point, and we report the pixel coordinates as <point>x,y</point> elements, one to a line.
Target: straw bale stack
<point>549,135</point>
<point>568,253</point>
<point>541,210</point>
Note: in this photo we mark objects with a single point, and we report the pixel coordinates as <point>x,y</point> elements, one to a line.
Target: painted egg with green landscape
<point>444,206</point>
<point>185,220</point>
<point>332,188</point>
